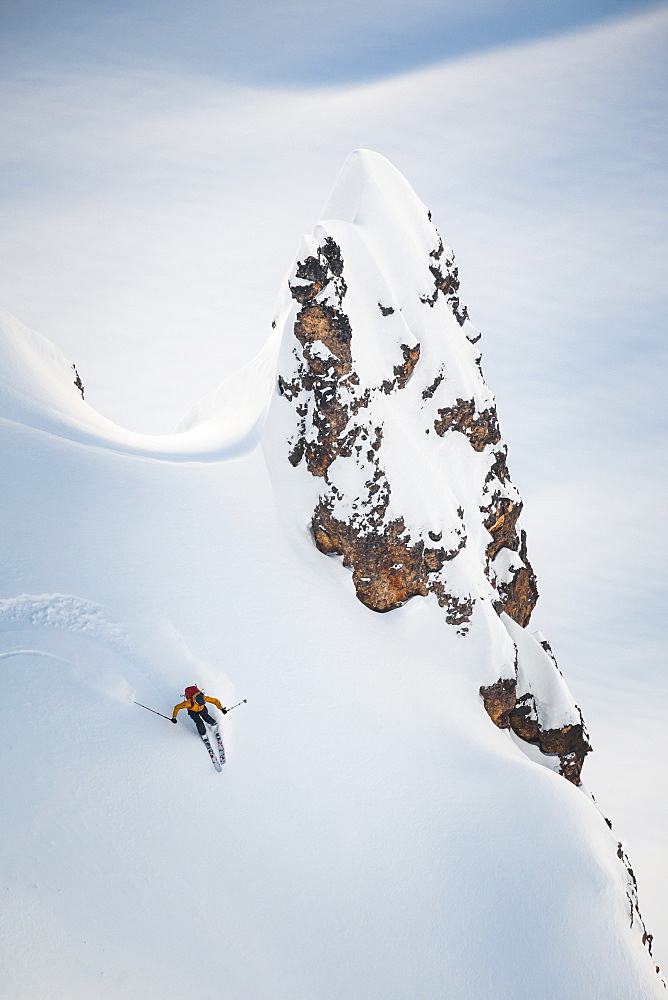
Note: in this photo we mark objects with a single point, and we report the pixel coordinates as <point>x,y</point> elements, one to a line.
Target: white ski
<point>221,748</point>
<point>212,755</point>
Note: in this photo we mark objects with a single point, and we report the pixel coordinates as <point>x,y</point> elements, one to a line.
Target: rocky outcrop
<point>388,426</point>
<point>499,700</point>
<point>446,284</point>
<point>481,429</point>
<point>507,710</point>
<point>339,419</point>
<point>388,569</point>
<point>77,381</point>
<point>390,562</point>
<point>536,705</point>
<point>518,595</point>
<point>390,420</point>
<point>632,896</point>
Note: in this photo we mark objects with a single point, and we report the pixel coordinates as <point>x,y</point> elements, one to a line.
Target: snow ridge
<point>41,390</point>
<point>383,439</point>
<point>380,388</point>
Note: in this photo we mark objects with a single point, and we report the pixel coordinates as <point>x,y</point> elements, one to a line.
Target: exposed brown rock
<point>508,711</point>
<point>499,701</point>
<point>518,597</point>
<point>519,594</point>
<point>437,253</point>
<point>481,428</point>
<point>329,326</point>
<point>297,453</point>
<point>322,372</point>
<point>523,719</point>
<point>387,569</point>
<point>431,389</point>
<point>403,372</point>
<point>319,271</point>
<point>445,284</point>
<point>571,745</point>
<point>548,649</point>
<point>458,610</point>
<point>388,566</point>
<point>499,468</point>
<point>501,519</point>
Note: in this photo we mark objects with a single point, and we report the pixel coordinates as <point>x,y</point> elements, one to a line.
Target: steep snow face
<point>373,834</point>
<point>386,441</point>
<point>389,421</point>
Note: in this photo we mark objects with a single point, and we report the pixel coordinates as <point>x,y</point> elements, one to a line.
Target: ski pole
<point>152,710</point>
<point>236,706</point>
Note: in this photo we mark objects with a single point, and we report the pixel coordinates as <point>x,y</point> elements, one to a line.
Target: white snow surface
<point>36,390</point>
<point>373,833</point>
<point>536,675</point>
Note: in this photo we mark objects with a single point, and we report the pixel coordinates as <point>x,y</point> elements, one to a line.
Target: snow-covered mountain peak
<point>367,185</point>
<point>385,444</point>
<point>382,390</point>
<point>395,226</point>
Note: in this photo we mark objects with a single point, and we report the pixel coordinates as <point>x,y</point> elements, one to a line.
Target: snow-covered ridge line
<point>394,440</point>
<point>385,436</point>
<point>384,440</point>
<point>390,425</point>
<point>41,390</point>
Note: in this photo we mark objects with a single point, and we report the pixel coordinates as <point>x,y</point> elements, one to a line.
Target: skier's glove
<point>175,721</point>
<point>224,711</point>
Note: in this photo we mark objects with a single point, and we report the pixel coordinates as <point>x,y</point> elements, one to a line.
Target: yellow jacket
<point>192,706</point>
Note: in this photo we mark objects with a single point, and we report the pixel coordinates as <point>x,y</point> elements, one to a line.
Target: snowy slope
<point>373,833</point>
<point>36,390</point>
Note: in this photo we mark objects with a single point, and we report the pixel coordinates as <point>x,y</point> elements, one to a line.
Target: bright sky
<point>161,160</point>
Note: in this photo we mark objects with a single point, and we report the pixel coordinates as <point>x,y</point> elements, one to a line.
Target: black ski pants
<point>199,718</point>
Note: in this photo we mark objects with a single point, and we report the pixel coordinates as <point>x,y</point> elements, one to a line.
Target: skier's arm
<point>177,708</point>
<point>214,701</point>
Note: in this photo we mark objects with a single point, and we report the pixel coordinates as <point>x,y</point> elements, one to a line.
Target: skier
<point>195,703</point>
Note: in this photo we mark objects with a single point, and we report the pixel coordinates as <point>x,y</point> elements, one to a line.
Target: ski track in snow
<point>144,644</point>
<point>78,616</point>
<point>34,652</point>
<point>75,615</point>
<point>64,611</point>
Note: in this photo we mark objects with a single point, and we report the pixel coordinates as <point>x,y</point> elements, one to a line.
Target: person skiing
<point>195,703</point>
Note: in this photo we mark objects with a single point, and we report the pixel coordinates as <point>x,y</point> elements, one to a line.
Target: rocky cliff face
<point>388,416</point>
